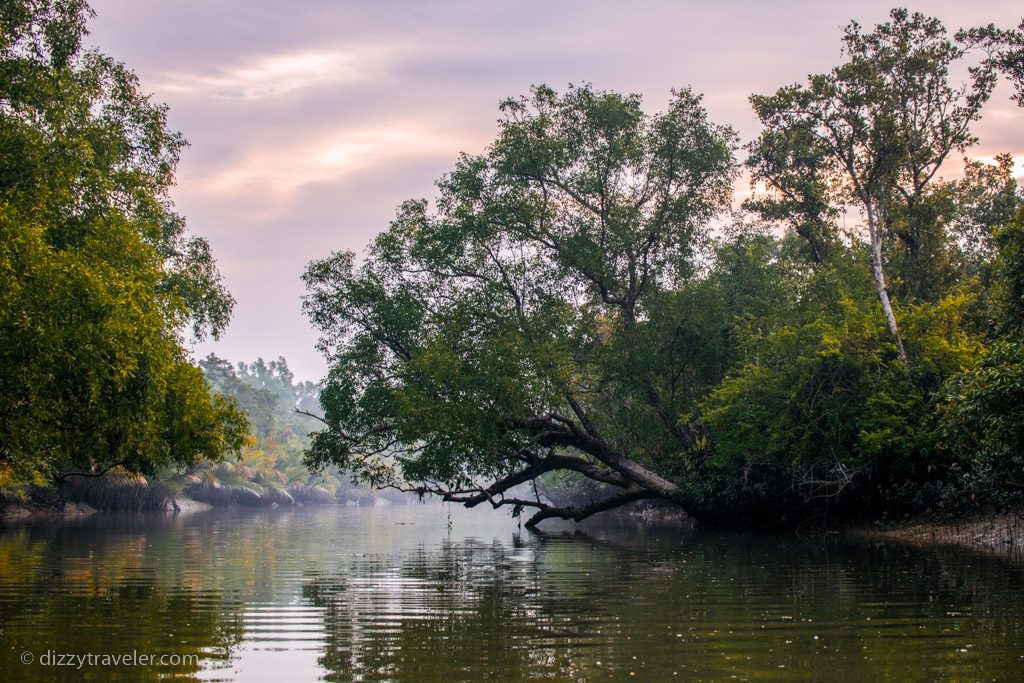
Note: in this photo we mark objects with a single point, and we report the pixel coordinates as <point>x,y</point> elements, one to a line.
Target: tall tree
<point>873,134</point>
<point>534,321</point>
<point>98,276</point>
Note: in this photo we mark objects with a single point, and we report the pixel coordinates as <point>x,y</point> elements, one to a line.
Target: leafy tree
<point>872,134</point>
<point>563,316</point>
<point>276,378</point>
<point>983,410</point>
<point>98,277</point>
<point>260,405</point>
<point>985,200</point>
<point>539,319</point>
<point>815,416</point>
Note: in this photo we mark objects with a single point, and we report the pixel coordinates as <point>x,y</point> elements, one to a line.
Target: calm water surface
<point>418,593</point>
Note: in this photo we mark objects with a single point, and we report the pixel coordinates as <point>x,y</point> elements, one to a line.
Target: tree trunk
<point>875,238</point>
<point>605,464</point>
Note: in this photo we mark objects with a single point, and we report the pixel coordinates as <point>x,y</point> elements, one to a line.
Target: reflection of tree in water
<point>93,588</point>
<point>580,609</point>
<point>550,607</point>
<point>460,611</point>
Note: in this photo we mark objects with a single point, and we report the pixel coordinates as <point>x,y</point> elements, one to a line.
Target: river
<point>431,593</point>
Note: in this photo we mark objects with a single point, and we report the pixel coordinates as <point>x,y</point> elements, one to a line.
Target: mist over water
<point>425,593</point>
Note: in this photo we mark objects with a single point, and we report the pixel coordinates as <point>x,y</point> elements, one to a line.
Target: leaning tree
<point>532,321</point>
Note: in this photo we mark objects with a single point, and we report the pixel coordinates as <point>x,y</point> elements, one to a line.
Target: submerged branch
<point>579,513</point>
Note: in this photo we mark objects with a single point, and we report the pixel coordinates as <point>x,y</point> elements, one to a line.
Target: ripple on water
<point>347,594</point>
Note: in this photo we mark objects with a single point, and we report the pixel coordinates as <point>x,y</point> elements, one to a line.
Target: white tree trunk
<point>875,237</point>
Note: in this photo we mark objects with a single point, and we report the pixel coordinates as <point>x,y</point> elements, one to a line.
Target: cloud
<point>269,177</point>
<point>311,120</point>
<point>274,76</point>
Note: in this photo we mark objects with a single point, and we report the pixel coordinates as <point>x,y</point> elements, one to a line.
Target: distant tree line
<point>278,409</point>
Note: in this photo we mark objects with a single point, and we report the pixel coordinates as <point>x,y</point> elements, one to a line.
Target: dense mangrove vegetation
<point>100,287</point>
<point>268,470</point>
<point>585,316</point>
<point>582,304</point>
<point>763,393</point>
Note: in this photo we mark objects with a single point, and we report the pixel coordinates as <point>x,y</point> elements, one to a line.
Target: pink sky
<point>310,121</point>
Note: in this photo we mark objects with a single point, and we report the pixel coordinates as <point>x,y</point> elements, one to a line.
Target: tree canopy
<point>874,132</point>
<point>578,306</point>
<point>503,335</point>
<point>99,278</point>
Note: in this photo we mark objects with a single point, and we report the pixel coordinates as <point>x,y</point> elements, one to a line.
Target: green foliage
<point>983,408</point>
<point>1004,49</point>
<point>985,199</point>
<point>1009,290</point>
<point>816,414</point>
<point>564,314</point>
<point>983,421</point>
<point>819,410</point>
<point>871,135</point>
<point>550,267</point>
<point>97,275</point>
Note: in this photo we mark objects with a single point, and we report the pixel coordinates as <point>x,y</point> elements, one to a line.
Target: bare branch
<point>582,512</point>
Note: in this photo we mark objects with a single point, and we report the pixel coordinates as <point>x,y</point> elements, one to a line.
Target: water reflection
<point>66,589</point>
<point>345,594</point>
<point>712,606</point>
